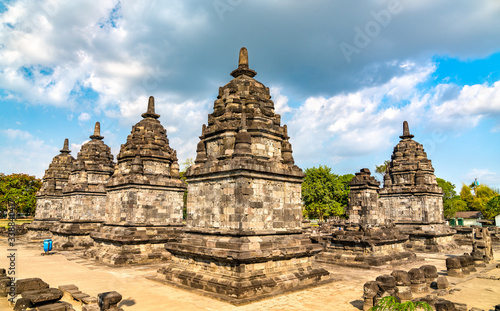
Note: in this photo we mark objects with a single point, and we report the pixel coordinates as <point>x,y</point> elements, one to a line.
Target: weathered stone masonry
<point>144,198</point>
<point>49,204</point>
<point>84,197</point>
<point>243,239</point>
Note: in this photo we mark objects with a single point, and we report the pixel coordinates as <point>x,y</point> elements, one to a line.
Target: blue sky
<point>344,75</point>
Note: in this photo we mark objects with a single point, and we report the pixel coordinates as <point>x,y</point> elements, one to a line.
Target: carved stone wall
<point>410,193</point>
<point>243,238</point>
<point>144,198</point>
<point>363,207</point>
<point>84,196</point>
<point>49,204</point>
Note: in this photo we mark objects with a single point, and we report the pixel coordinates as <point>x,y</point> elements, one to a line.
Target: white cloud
<point>280,101</point>
<point>84,117</point>
<point>473,103</point>
<point>22,152</point>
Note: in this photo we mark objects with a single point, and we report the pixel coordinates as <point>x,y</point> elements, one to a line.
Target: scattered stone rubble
<point>460,266</point>
<point>49,198</point>
<point>406,285</point>
<point>35,294</point>
<point>243,239</point>
<point>365,241</point>
<point>84,196</point>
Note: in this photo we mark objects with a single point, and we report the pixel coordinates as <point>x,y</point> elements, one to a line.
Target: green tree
<point>381,169</point>
<point>484,199</point>
<point>20,189</point>
<point>452,202</point>
<point>324,193</point>
<point>390,303</point>
<point>183,167</point>
<point>492,207</point>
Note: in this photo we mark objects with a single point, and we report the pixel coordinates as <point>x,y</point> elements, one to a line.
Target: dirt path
<point>140,293</point>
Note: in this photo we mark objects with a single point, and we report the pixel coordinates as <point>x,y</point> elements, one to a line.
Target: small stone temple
<point>49,198</point>
<point>84,197</point>
<point>411,198</point>
<point>144,198</point>
<point>243,239</point>
<point>366,240</point>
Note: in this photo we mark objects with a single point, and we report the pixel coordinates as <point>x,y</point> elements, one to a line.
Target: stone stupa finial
<point>406,131</point>
<point>243,68</point>
<point>65,148</point>
<point>97,132</point>
<point>151,109</point>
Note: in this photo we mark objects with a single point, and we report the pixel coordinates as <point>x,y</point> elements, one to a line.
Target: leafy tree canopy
<point>381,169</point>
<point>20,189</point>
<point>481,198</point>
<point>324,193</point>
<point>452,202</point>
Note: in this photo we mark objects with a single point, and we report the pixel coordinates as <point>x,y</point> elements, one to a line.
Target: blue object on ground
<point>47,245</point>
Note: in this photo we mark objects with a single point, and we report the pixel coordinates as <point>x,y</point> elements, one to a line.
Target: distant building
<point>497,220</point>
<point>468,219</point>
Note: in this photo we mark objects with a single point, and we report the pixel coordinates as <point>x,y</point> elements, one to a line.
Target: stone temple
<point>84,196</point>
<point>49,199</point>
<point>243,238</point>
<point>144,198</point>
<point>411,198</point>
<point>367,240</point>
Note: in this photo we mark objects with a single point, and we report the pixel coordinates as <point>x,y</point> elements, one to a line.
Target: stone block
<point>56,306</point>
<point>386,282</point>
<point>402,277</point>
<point>445,305</point>
<point>419,288</point>
<point>109,300</point>
<point>416,276</point>
<point>42,296</point>
<point>404,292</point>
<point>29,285</point>
<point>442,282</point>
<point>370,289</point>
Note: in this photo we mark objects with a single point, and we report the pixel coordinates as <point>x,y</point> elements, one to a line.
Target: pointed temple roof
<point>147,145</point>
<point>56,176</point>
<point>410,170</point>
<point>244,126</point>
<point>94,156</point>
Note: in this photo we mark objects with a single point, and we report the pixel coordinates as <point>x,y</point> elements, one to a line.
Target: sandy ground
<point>139,293</point>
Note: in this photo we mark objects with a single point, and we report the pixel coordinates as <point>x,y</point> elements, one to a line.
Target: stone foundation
<point>133,244</point>
<point>241,269</point>
<point>39,230</point>
<point>366,248</point>
<point>430,238</point>
<point>70,235</point>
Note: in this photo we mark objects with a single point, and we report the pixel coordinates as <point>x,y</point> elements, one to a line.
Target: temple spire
<point>65,148</point>
<point>97,132</point>
<point>406,131</point>
<point>243,61</point>
<point>151,109</point>
<point>243,68</point>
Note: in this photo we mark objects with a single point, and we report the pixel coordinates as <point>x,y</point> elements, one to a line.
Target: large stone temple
<point>84,196</point>
<point>412,199</point>
<point>243,238</point>
<point>144,198</point>
<point>49,199</point>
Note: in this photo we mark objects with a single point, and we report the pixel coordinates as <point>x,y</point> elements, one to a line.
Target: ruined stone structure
<point>411,198</point>
<point>243,239</point>
<point>363,207</point>
<point>366,240</point>
<point>84,197</point>
<point>49,197</point>
<point>482,247</point>
<point>144,198</point>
